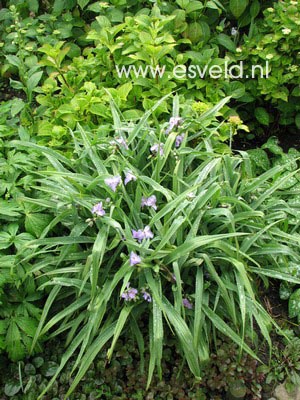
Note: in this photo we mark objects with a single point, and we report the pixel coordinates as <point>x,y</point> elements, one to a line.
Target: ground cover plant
<point>125,212</point>
<point>157,232</point>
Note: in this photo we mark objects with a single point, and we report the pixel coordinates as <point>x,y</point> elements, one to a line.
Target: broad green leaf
<point>14,346</point>
<point>83,3</point>
<point>225,41</point>
<point>5,240</point>
<point>36,223</point>
<point>262,116</point>
<point>17,106</point>
<point>12,387</point>
<point>237,7</point>
<point>34,80</point>
<point>33,5</point>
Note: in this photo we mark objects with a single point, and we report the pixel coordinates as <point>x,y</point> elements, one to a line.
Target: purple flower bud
<point>187,304</point>
<point>113,182</point>
<point>98,209</point>
<point>134,259</point>
<point>146,296</point>
<point>129,177</point>
<point>157,147</point>
<point>130,293</point>
<point>179,139</point>
<point>150,202</point>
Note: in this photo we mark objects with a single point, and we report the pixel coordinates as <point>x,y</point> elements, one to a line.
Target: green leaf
<point>11,388</point>
<point>17,106</point>
<point>82,3</point>
<point>294,304</point>
<point>237,7</point>
<point>14,346</point>
<point>36,223</point>
<point>226,330</point>
<point>193,6</point>
<point>124,90</point>
<point>33,5</point>
<point>34,80</point>
<point>5,240</point>
<point>184,335</point>
<point>14,60</point>
<point>196,243</point>
<point>255,9</point>
<point>262,116</point>
<point>225,41</point>
<point>49,368</point>
<point>285,290</point>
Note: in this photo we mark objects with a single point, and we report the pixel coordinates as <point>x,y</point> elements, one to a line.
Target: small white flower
<point>234,31</point>
<point>239,50</point>
<point>286,31</point>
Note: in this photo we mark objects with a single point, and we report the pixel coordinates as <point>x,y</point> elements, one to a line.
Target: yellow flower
<point>235,120</point>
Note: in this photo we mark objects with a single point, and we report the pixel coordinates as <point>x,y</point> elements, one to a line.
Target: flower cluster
<point>157,148</point>
<point>179,140</point>
<point>142,234</point>
<point>131,294</point>
<point>116,180</point>
<point>187,304</point>
<point>98,209</point>
<point>174,122</point>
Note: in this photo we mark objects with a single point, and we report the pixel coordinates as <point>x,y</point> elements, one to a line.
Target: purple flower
<point>147,232</point>
<point>157,147</point>
<point>174,122</point>
<point>130,293</point>
<point>139,235</point>
<point>113,182</point>
<point>187,304</point>
<point>146,296</point>
<point>179,139</point>
<point>98,209</point>
<point>134,259</point>
<point>142,234</point>
<point>129,177</point>
<point>150,202</point>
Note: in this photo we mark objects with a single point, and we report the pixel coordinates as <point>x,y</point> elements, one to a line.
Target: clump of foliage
<point>20,303</point>
<point>176,250</point>
<point>275,40</point>
<point>69,45</point>
<point>230,372</point>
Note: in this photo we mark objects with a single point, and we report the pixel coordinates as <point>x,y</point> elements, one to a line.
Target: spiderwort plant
<point>184,258</point>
